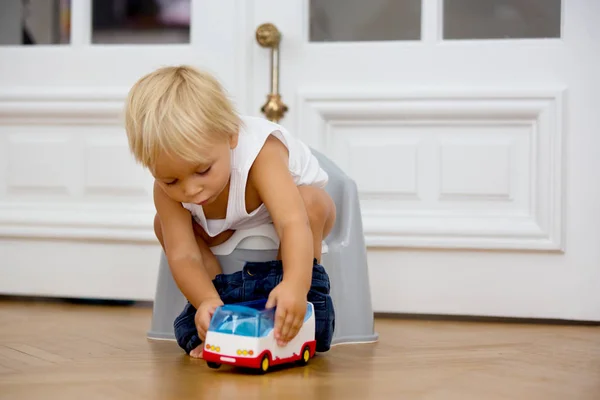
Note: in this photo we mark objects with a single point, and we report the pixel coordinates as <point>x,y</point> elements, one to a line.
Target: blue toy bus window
<point>246,319</point>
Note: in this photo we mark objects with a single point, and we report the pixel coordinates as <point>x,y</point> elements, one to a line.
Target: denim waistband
<point>260,270</point>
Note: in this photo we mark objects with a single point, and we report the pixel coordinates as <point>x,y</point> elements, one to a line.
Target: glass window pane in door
<point>34,22</point>
<point>502,19</point>
<point>140,21</point>
<point>362,20</point>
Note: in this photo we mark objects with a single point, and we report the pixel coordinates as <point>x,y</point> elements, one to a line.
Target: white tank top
<point>303,166</point>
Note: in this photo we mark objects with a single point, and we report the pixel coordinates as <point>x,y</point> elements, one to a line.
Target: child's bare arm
<point>182,251</point>
<point>271,177</point>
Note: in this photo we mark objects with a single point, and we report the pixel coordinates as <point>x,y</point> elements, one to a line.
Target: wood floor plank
<point>20,360</point>
<point>37,352</point>
<point>67,351</point>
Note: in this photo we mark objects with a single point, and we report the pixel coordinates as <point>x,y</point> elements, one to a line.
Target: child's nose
<point>193,190</point>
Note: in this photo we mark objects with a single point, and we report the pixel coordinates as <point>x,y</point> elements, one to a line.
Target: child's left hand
<point>290,300</point>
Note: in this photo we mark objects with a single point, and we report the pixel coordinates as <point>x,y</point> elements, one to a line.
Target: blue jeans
<point>255,282</point>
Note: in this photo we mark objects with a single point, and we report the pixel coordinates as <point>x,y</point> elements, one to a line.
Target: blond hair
<point>178,110</point>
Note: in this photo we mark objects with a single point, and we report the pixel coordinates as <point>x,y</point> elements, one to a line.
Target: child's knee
<point>318,204</point>
<point>185,330</point>
<point>186,334</point>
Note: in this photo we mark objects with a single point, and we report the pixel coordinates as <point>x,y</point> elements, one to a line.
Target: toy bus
<point>241,335</point>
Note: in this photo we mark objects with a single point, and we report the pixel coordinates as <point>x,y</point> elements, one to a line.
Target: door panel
<point>468,146</point>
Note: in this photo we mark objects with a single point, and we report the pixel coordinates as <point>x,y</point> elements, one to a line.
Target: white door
<point>467,126</point>
<point>76,212</point>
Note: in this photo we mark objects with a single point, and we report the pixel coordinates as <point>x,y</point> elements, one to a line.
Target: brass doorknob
<point>267,35</point>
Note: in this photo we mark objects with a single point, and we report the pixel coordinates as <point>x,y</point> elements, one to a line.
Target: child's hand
<point>205,311</point>
<point>290,300</point>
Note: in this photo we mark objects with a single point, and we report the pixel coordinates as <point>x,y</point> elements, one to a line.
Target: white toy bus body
<point>242,335</point>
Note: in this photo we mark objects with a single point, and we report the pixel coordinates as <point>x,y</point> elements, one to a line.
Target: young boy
<point>216,172</point>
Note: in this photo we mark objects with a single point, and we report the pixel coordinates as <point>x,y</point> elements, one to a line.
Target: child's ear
<point>233,141</point>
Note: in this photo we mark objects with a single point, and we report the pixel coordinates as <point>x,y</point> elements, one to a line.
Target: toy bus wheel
<point>265,363</point>
<point>213,365</point>
<point>305,355</point>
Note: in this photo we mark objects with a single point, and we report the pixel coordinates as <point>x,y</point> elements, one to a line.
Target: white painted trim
<point>74,103</point>
<point>244,55</point>
<point>432,21</point>
<point>78,221</point>
<point>41,106</point>
<point>81,23</point>
<point>79,269</point>
<point>541,108</point>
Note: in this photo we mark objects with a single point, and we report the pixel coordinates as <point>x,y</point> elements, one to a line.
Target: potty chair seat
<point>256,244</point>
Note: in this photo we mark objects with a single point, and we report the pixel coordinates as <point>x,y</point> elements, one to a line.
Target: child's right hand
<point>205,311</point>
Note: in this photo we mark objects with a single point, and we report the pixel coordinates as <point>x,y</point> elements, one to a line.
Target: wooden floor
<point>65,351</point>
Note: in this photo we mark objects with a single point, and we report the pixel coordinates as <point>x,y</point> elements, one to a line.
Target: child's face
<point>197,183</point>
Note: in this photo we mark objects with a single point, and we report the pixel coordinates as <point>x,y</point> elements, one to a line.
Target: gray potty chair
<point>344,258</point>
